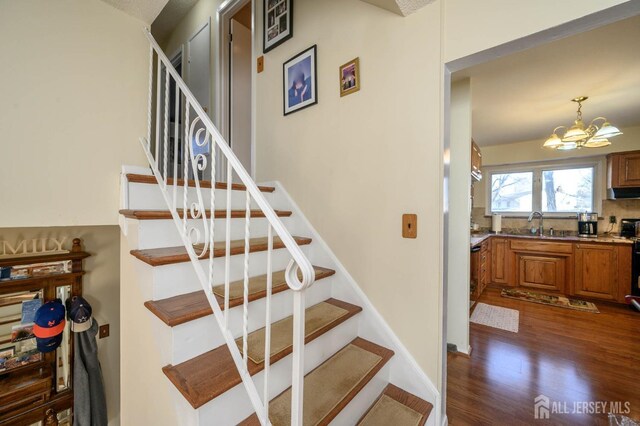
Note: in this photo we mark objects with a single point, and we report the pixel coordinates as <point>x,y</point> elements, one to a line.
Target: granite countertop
<point>477,239</point>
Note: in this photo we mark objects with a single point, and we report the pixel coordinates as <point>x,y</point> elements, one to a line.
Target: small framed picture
<point>277,23</point>
<point>350,77</point>
<point>7,352</point>
<point>300,81</point>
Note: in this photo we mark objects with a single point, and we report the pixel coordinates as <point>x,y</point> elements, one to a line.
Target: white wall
<point>459,212</point>
<point>355,164</point>
<point>74,89</point>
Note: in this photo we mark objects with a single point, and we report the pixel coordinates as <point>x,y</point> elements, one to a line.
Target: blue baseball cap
<point>49,325</point>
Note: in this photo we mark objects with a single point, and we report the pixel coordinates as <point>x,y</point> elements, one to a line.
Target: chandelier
<point>579,136</point>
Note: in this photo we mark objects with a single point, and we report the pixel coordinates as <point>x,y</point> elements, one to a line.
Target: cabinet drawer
<point>24,391</point>
<point>541,246</point>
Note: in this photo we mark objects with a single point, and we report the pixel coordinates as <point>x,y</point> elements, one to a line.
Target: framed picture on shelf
<point>277,23</point>
<point>300,81</point>
<point>350,77</point>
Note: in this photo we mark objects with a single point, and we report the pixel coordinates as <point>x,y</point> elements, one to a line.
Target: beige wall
<point>74,87</point>
<point>355,164</point>
<point>101,286</point>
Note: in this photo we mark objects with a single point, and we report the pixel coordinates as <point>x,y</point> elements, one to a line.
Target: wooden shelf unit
<point>29,394</point>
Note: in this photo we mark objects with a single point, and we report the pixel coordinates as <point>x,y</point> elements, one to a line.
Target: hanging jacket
<point>89,400</point>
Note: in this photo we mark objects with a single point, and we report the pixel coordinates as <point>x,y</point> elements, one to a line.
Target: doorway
<point>458,214</point>
<point>236,80</point>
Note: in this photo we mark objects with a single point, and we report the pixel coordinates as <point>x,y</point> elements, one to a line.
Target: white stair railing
<point>191,161</point>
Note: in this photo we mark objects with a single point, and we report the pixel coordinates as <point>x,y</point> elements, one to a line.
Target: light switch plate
<point>409,226</point>
<point>260,64</point>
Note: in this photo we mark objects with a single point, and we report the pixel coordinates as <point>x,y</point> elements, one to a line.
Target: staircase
<point>255,328</point>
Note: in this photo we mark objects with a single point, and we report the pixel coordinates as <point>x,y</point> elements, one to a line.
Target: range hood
<point>622,193</point>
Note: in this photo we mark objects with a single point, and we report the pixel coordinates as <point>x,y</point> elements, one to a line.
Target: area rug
<point>496,317</point>
<point>387,411</point>
<point>547,299</point>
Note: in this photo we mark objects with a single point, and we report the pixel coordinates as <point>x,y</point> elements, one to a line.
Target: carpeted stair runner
<point>387,411</point>
<point>316,317</point>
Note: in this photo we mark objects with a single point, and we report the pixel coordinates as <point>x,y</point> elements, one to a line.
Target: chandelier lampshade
<point>580,136</point>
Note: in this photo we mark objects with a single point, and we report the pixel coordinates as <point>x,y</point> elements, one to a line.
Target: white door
<point>199,80</point>
<point>240,93</point>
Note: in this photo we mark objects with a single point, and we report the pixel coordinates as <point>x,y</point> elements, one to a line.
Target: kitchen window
<point>557,190</point>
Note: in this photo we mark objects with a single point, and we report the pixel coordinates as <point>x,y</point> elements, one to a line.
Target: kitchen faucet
<point>541,226</point>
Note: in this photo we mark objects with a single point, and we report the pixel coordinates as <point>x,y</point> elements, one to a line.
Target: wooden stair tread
<point>150,179</point>
<point>209,375</point>
<point>218,214</point>
<point>187,307</point>
<point>170,255</point>
<point>333,411</point>
<point>415,403</point>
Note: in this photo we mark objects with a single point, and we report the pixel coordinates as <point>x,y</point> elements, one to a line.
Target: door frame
<point>577,26</point>
<point>222,92</point>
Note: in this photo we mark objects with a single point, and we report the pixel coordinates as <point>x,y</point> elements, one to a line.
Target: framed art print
<point>350,77</point>
<point>300,81</point>
<point>277,23</point>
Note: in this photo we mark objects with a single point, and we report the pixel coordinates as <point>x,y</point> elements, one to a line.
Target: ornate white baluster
<point>166,125</point>
<point>176,135</point>
<point>150,96</point>
<point>227,259</point>
<point>245,325</point>
<point>185,159</point>
<point>267,330</point>
<point>297,382</point>
<point>158,93</point>
<point>212,215</point>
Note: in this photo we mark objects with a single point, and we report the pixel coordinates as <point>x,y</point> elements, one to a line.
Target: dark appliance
<point>630,228</point>
<point>588,225</point>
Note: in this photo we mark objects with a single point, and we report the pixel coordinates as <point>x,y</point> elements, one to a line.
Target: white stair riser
<point>316,352</point>
<point>180,278</point>
<point>359,405</point>
<point>163,233</point>
<point>200,335</point>
<point>144,196</point>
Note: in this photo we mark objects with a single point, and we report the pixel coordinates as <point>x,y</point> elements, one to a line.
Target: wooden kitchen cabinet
<point>544,265</point>
<point>476,161</point>
<point>500,259</point>
<point>547,272</point>
<point>624,168</point>
<point>596,271</point>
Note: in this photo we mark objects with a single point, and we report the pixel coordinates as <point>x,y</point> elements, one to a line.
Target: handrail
<point>198,132</point>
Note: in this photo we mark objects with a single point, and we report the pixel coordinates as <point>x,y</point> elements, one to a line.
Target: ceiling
<point>526,95</point>
<point>145,10</point>
<point>170,16</point>
<point>401,7</point>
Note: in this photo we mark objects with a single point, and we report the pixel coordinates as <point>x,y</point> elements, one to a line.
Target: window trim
<point>537,168</point>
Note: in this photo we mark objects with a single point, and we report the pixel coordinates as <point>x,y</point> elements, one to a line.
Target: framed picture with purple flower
<point>277,23</point>
<point>300,82</point>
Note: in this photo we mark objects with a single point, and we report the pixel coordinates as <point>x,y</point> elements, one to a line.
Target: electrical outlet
<point>260,64</point>
<point>613,219</point>
<point>104,331</point>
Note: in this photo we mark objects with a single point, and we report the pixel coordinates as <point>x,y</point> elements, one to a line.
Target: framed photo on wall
<point>350,77</point>
<point>300,81</point>
<point>277,23</point>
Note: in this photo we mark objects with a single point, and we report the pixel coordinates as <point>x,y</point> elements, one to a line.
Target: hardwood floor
<point>567,355</point>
